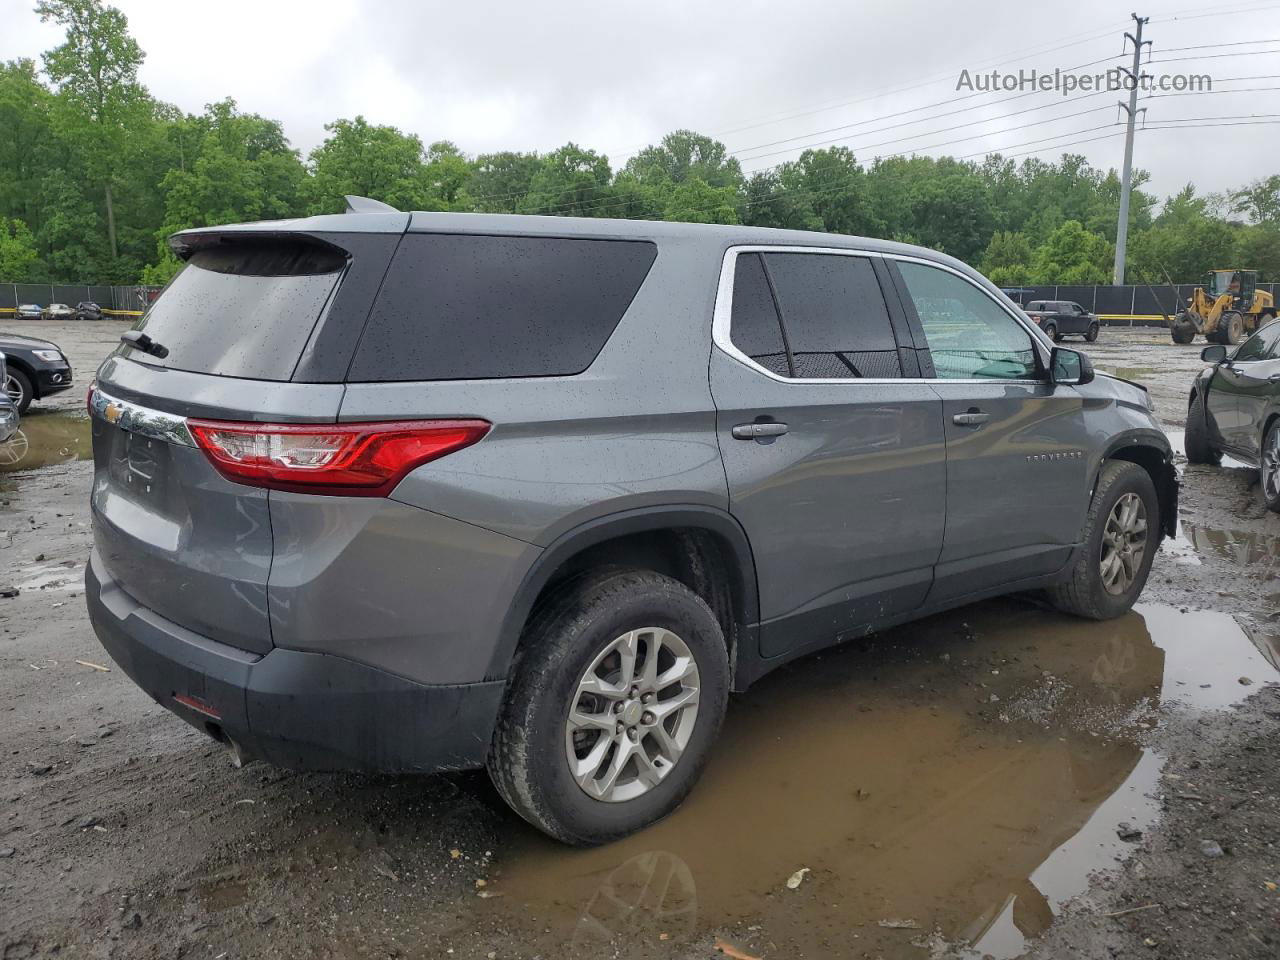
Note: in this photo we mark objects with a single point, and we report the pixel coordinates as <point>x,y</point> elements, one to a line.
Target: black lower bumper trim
<point>304,711</point>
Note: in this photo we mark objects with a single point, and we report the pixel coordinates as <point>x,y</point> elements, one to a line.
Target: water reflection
<point>935,785</point>
<point>46,439</point>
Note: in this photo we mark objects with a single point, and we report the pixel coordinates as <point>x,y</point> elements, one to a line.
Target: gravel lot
<point>991,782</point>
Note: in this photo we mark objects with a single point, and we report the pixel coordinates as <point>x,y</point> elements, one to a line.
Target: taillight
<point>88,397</point>
<point>347,459</point>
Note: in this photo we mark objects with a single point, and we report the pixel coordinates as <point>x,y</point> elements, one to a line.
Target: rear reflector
<point>199,706</point>
<point>339,459</point>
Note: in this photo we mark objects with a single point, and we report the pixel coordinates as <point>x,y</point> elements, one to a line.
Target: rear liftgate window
<point>242,308</point>
<point>461,307</point>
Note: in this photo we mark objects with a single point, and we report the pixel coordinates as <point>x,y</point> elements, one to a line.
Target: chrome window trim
<point>722,316</point>
<point>140,420</point>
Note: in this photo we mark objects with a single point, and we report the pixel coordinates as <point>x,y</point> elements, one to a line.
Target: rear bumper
<point>294,709</point>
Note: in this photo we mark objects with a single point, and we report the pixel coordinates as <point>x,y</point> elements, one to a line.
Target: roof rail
<point>365,205</point>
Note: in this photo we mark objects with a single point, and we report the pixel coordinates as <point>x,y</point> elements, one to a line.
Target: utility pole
<point>1126,179</point>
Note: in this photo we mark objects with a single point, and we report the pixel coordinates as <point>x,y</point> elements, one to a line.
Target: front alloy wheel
<point>1124,544</point>
<point>1271,467</point>
<point>632,715</point>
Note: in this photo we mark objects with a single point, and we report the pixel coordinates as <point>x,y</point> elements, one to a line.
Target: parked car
<point>29,311</point>
<point>88,310</point>
<point>543,496</point>
<point>36,369</point>
<point>1060,318</point>
<point>9,416</point>
<point>1235,408</point>
<point>58,311</point>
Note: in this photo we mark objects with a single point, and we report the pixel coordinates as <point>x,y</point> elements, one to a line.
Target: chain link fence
<point>114,301</point>
<point>1132,305</point>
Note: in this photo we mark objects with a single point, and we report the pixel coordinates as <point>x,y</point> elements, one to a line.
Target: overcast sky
<point>614,77</point>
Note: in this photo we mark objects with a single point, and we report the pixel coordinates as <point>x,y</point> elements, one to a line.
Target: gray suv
<point>420,492</point>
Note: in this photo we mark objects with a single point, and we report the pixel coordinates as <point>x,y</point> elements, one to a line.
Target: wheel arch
<point>15,362</point>
<point>1155,457</point>
<point>703,547</point>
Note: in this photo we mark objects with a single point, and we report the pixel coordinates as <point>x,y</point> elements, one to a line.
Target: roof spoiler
<point>365,205</point>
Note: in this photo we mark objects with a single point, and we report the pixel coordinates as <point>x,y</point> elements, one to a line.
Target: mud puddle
<point>1136,374</point>
<point>45,440</point>
<point>947,787</point>
<point>1178,440</point>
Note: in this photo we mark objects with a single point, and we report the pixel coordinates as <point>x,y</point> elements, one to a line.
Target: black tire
<point>1051,332</point>
<point>1092,334</point>
<point>1083,593</point>
<point>527,759</point>
<point>1270,478</point>
<point>1200,448</point>
<point>21,383</point>
<point>1231,324</point>
<point>1183,331</point>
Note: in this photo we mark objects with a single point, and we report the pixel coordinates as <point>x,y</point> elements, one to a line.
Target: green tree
<point>1260,201</point>
<point>1072,255</point>
<point>766,202</point>
<point>361,159</point>
<point>19,261</point>
<point>442,182</point>
<point>99,97</point>
<point>682,156</point>
<point>500,181</point>
<point>27,144</point>
<point>834,187</point>
<point>572,182</point>
<point>696,201</point>
<point>1185,242</point>
<point>1258,248</point>
<point>1007,260</point>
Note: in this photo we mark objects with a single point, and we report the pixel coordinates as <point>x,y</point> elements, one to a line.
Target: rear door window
<point>462,307</point>
<point>834,317</point>
<point>242,309</point>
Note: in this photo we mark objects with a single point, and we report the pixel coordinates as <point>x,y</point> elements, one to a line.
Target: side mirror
<point>1214,354</point>
<point>1070,367</point>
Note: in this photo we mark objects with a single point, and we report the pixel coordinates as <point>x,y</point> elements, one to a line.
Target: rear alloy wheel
<point>1121,535</point>
<point>18,389</point>
<point>1270,478</point>
<point>615,698</point>
<point>1092,333</point>
<point>1052,333</point>
<point>632,715</point>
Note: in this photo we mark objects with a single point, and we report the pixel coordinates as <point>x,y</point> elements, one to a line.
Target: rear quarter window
<point>462,307</point>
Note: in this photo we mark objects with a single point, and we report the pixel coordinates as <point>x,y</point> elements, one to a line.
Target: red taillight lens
<point>88,397</point>
<point>348,459</point>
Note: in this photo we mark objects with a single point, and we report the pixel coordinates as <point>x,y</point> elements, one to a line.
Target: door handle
<point>971,419</point>
<point>756,431</point>
<point>1274,378</point>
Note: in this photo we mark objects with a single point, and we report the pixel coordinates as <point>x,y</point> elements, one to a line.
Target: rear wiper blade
<point>138,339</point>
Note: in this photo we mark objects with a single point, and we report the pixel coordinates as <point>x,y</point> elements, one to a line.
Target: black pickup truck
<point>1061,318</point>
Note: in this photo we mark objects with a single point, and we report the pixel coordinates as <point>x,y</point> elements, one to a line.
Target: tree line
<point>96,172</point>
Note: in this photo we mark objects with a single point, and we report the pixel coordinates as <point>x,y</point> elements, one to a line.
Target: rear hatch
<point>255,327</point>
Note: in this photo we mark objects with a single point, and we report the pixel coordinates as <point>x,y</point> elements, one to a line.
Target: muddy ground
<point>956,787</point>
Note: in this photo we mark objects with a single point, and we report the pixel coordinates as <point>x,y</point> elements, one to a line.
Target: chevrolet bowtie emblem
<point>112,412</point>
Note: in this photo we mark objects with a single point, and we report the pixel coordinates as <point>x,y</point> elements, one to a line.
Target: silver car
<point>418,492</point>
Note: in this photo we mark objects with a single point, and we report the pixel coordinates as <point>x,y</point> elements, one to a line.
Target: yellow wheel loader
<point>1226,309</point>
